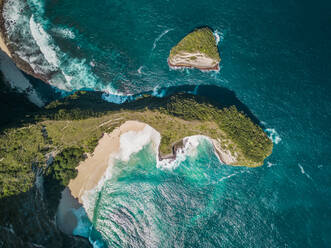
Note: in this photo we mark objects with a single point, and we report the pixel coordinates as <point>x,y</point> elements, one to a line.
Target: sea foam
<point>160,36</point>
<point>44,41</point>
<point>191,144</point>
<point>219,36</point>
<point>273,135</point>
<point>25,27</point>
<point>132,142</point>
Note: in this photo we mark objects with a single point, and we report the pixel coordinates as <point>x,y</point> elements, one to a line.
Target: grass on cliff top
<point>200,40</point>
<point>75,122</point>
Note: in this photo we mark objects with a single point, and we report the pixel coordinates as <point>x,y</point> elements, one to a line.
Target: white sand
<point>3,46</point>
<point>125,140</point>
<point>91,171</point>
<point>201,61</point>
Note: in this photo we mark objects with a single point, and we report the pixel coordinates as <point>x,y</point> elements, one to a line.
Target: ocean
<point>275,59</point>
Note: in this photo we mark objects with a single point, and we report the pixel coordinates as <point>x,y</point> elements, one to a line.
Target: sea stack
<point>198,50</point>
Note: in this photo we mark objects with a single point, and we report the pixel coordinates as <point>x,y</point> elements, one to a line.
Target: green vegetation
<point>21,151</point>
<point>200,40</point>
<point>64,165</point>
<point>73,126</point>
<point>58,175</point>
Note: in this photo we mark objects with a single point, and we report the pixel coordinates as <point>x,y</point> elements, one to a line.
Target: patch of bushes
<point>59,173</point>
<point>201,40</point>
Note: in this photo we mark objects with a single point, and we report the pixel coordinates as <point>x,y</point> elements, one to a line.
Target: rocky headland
<point>197,50</point>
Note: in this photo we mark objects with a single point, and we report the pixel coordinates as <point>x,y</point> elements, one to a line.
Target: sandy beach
<point>90,172</point>
<point>94,167</point>
<point>118,144</point>
<point>3,45</point>
<point>2,40</point>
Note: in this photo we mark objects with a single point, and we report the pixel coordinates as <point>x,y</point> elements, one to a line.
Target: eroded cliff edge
<point>28,179</point>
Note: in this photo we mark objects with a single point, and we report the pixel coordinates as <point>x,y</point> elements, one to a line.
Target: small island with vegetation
<point>198,50</point>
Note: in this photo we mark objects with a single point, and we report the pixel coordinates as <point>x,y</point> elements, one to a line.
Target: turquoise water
<point>275,57</point>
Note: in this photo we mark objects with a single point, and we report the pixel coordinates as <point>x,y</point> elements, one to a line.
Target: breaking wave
<point>37,47</point>
<point>132,143</point>
<point>160,36</point>
<point>273,135</point>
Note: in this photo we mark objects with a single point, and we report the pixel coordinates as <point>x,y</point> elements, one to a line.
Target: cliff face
<point>196,50</point>
<point>25,222</point>
<point>25,219</point>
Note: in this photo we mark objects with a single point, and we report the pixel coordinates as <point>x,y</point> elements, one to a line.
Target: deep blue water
<point>275,57</point>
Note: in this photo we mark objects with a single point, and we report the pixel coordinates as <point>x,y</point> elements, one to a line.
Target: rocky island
<point>198,50</point>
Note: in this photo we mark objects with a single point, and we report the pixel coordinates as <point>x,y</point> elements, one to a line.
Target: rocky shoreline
<point>9,49</point>
<point>225,157</point>
<point>198,49</point>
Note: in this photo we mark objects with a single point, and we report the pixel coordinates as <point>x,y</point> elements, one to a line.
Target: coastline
<point>95,169</point>
<point>90,173</point>
<point>11,69</point>
<point>91,170</point>
<point>3,45</point>
<point>182,66</point>
<point>20,63</point>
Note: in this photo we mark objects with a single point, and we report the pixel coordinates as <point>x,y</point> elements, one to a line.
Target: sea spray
<point>189,148</point>
<point>131,143</point>
<point>219,36</point>
<point>44,42</point>
<point>273,135</point>
<point>26,30</point>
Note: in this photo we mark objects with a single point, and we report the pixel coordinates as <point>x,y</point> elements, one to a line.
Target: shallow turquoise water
<point>275,57</point>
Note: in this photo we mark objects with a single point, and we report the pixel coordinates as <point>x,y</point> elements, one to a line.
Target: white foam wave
<point>160,36</point>
<point>77,74</point>
<point>44,41</point>
<point>19,34</point>
<point>227,177</point>
<point>65,32</point>
<point>116,98</point>
<point>303,171</point>
<point>159,92</point>
<point>189,149</point>
<point>12,14</point>
<point>37,47</point>
<point>139,69</point>
<point>38,6</point>
<point>132,142</point>
<point>273,135</point>
<point>219,36</point>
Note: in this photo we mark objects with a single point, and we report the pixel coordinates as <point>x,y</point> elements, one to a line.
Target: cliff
<point>198,50</point>
<point>74,125</point>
